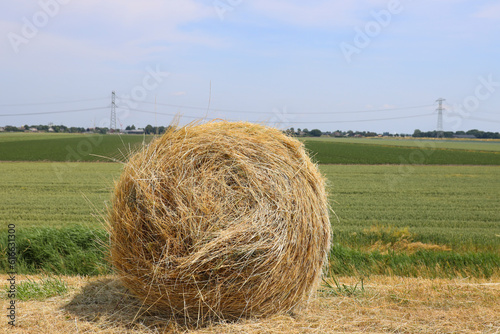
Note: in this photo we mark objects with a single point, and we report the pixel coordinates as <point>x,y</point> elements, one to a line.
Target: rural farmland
<point>424,212</point>
<point>257,167</point>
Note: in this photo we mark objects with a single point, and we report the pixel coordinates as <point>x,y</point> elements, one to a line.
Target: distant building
<point>33,130</point>
<point>134,132</point>
<point>2,129</point>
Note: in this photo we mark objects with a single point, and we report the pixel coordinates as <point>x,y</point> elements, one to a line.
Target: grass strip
<point>78,250</point>
<point>72,250</point>
<point>345,261</point>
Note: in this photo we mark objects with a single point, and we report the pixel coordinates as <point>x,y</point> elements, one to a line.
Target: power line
<point>483,119</point>
<point>376,110</point>
<point>48,103</point>
<point>270,114</point>
<point>487,113</point>
<point>267,112</point>
<point>362,120</point>
<point>52,112</point>
<point>255,121</point>
<point>283,122</point>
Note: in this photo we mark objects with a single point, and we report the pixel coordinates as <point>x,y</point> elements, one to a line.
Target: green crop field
<point>68,147</point>
<point>458,144</point>
<point>54,194</point>
<point>405,220</point>
<point>404,207</point>
<point>336,152</point>
<point>456,206</point>
<point>79,147</point>
<point>22,136</point>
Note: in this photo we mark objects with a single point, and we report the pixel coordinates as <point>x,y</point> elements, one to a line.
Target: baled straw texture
<point>219,221</point>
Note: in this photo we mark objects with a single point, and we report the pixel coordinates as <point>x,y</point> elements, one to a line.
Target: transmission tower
<point>440,118</point>
<point>112,122</point>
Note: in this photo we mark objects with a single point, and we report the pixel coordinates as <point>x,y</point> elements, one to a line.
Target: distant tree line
<point>317,133</point>
<point>46,128</point>
<point>149,129</point>
<point>450,134</point>
<point>417,134</point>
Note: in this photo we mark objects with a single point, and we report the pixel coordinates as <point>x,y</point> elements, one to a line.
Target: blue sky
<point>362,65</point>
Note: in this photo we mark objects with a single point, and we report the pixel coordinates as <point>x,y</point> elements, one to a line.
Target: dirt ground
<point>386,305</point>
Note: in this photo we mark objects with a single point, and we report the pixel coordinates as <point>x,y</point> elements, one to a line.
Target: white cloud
<point>153,21</point>
<point>49,51</point>
<point>92,31</point>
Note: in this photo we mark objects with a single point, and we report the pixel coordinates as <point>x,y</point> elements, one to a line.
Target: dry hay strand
<point>220,221</point>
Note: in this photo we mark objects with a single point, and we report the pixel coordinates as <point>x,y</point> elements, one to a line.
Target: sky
<point>362,65</point>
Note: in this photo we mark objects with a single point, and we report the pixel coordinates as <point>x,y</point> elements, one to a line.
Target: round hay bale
<point>220,220</point>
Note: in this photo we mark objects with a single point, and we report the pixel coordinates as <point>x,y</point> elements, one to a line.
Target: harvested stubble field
<point>438,226</point>
<point>384,305</point>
